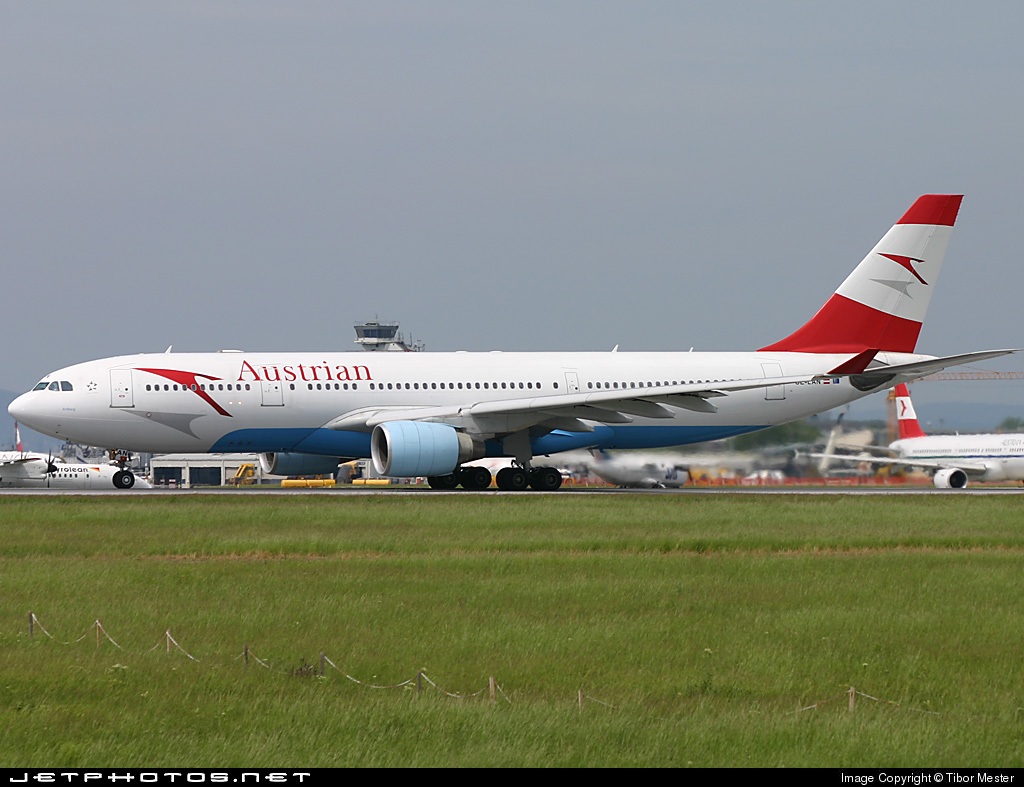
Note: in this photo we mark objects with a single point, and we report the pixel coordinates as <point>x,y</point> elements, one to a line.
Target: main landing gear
<point>509,479</point>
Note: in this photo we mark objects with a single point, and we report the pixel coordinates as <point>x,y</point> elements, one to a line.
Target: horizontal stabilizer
<point>917,369</point>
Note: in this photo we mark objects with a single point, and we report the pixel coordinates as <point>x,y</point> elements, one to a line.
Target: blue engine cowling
<point>299,464</point>
<point>413,448</point>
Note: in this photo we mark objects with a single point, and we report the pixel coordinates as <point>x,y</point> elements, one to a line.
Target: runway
<point>418,491</point>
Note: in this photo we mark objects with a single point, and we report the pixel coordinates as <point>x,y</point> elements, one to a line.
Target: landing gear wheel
<point>513,479</point>
<point>474,477</point>
<point>124,480</point>
<point>442,481</point>
<point>545,479</point>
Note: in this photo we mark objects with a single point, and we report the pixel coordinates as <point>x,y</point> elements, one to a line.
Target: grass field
<point>691,629</point>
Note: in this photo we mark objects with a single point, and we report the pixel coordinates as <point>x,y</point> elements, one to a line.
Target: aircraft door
<point>572,382</point>
<point>121,393</point>
<point>273,393</point>
<point>777,392</point>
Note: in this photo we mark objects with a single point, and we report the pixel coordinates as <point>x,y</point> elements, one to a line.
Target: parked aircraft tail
<point>906,418</point>
<point>882,304</point>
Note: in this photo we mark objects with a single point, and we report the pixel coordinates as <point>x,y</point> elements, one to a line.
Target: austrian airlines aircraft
<point>430,414</point>
<point>953,458</point>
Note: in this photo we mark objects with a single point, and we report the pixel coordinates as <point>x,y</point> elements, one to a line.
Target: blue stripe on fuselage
<point>634,437</point>
<point>329,442</point>
<point>325,442</point>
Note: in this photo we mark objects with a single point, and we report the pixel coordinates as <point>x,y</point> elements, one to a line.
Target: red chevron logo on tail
<point>905,262</point>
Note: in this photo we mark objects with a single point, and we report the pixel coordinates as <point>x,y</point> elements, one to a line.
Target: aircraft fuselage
<point>256,402</point>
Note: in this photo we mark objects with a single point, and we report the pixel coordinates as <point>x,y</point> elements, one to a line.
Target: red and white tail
<point>906,418</point>
<point>882,304</point>
<point>17,438</point>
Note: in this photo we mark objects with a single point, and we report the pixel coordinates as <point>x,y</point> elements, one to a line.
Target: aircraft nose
<point>29,410</point>
<point>19,408</point>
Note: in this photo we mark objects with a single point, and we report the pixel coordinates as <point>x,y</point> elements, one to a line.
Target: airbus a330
<point>432,413</point>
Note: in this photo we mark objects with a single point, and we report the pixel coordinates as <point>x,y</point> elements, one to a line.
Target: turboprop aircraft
<point>431,413</point>
<point>953,459</point>
<point>20,469</point>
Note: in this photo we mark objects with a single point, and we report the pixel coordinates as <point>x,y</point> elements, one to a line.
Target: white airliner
<point>431,414</point>
<point>21,469</point>
<point>954,459</point>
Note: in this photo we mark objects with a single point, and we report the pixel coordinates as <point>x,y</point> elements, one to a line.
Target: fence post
<point>31,625</point>
<point>419,682</point>
<point>323,660</point>
<point>245,655</point>
<point>490,685</point>
<point>852,695</point>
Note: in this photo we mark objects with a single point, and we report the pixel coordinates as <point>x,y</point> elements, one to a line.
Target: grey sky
<point>518,176</point>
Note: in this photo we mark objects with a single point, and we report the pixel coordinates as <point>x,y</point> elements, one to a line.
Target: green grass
<point>699,629</point>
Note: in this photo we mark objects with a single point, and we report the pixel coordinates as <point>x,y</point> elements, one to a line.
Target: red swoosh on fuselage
<point>188,379</point>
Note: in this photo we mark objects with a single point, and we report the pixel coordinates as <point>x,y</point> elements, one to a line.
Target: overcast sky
<point>517,176</point>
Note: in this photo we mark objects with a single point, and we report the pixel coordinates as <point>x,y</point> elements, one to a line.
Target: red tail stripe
<point>908,427</point>
<point>933,209</point>
<point>862,328</point>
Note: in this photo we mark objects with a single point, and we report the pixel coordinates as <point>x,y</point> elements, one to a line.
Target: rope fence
<point>493,690</point>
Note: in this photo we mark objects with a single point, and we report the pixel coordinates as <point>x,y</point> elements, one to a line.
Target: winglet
<point>857,364</point>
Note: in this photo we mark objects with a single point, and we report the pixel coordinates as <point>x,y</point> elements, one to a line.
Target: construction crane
<point>976,375</point>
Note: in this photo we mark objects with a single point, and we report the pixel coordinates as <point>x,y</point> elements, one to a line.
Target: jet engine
<point>299,464</point>
<point>414,448</point>
<point>950,478</point>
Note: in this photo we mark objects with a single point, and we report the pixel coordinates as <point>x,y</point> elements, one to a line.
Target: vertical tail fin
<point>17,437</point>
<point>882,304</point>
<point>906,418</point>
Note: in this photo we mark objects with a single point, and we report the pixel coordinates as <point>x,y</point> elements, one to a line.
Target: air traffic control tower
<point>376,336</point>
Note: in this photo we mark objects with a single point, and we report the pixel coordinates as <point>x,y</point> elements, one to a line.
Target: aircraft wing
<point>606,406</point>
<point>22,461</point>
<point>26,469</point>
<point>570,411</point>
<point>968,466</point>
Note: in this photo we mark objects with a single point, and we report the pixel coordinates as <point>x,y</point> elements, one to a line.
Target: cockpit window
<point>46,385</point>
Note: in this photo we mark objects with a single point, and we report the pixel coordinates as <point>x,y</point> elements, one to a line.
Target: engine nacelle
<point>950,478</point>
<point>415,448</point>
<point>299,464</point>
